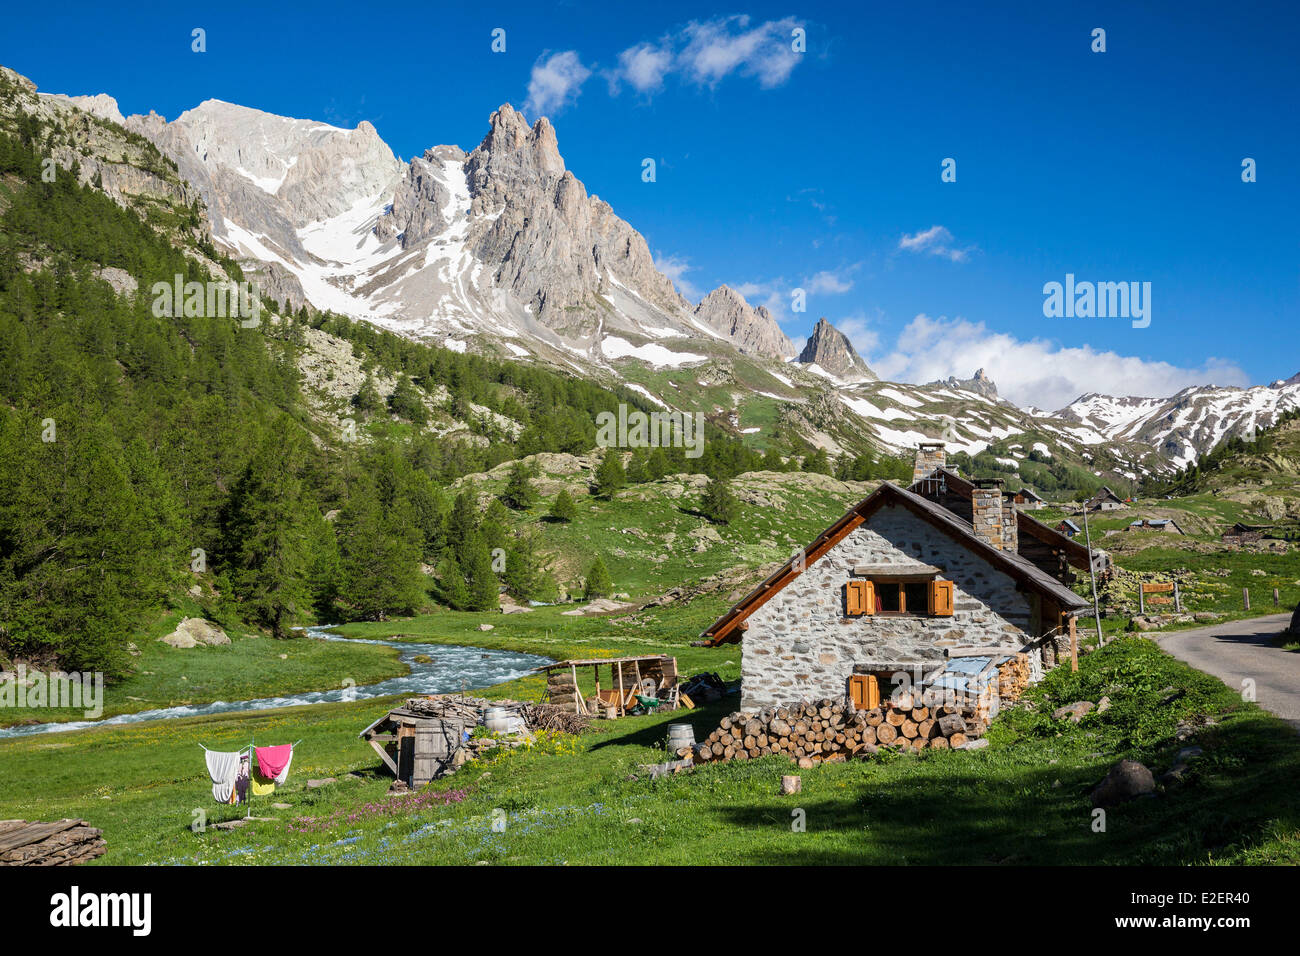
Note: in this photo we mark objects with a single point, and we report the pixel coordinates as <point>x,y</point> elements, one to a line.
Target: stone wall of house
<point>800,644</point>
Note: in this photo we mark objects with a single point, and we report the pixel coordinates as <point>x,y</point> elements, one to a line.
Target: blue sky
<point>820,170</point>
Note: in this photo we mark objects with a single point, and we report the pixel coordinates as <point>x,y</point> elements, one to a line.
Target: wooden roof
<point>726,630</point>
<point>589,661</point>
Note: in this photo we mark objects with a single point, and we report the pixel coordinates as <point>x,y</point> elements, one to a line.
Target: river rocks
<point>193,631</point>
<point>1127,779</point>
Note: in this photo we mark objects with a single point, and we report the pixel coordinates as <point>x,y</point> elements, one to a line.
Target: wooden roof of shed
<point>587,662</point>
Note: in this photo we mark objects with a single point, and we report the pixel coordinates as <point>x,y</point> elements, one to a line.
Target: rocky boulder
<point>194,631</point>
<point>1127,779</point>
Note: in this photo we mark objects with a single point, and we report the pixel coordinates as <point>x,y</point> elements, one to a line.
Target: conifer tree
<point>563,509</point>
<point>610,476</point>
<point>519,492</point>
<point>598,583</point>
<point>718,504</point>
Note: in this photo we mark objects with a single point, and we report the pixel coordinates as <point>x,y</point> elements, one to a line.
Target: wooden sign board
<point>1160,600</point>
<point>1157,588</point>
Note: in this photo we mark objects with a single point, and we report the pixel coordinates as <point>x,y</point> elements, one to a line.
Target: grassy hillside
<point>586,799</point>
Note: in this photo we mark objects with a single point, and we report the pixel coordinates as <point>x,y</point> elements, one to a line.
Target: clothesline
<point>241,755</point>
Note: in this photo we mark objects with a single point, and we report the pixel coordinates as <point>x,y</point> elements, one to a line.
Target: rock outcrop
<point>979,383</point>
<point>725,311</point>
<point>194,631</point>
<point>830,350</point>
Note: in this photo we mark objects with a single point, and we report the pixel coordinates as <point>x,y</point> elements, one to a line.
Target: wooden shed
<point>654,675</point>
<point>417,748</point>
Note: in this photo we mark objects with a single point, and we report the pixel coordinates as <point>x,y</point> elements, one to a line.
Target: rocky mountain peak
<point>725,311</point>
<point>830,350</point>
<point>979,383</point>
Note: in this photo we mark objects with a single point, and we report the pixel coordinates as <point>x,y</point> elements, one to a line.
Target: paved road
<point>1237,650</point>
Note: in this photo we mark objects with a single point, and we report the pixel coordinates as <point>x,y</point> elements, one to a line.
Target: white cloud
<point>935,241</point>
<point>555,83</point>
<point>706,52</point>
<point>857,328</point>
<point>675,268</point>
<point>644,66</point>
<point>1036,371</point>
<point>829,282</point>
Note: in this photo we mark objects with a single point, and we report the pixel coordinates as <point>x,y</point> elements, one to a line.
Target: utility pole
<point>1092,573</point>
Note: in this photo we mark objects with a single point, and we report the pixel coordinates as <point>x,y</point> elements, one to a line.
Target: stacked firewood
<point>1013,677</point>
<point>833,730</point>
<point>561,690</point>
<point>62,843</point>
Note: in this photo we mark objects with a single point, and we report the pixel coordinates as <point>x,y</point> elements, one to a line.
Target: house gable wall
<point>800,645</point>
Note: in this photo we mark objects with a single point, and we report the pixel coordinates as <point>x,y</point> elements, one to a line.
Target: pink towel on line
<point>271,761</point>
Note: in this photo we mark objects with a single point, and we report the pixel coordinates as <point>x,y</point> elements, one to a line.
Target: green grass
<point>586,800</point>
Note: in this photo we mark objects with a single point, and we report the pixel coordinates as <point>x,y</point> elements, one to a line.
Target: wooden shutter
<point>940,598</point>
<point>864,691</point>
<point>859,598</point>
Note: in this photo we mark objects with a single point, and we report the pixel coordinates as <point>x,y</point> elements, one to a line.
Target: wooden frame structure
<point>417,748</point>
<point>621,694</point>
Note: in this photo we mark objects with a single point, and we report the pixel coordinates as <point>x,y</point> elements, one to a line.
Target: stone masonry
<point>929,456</point>
<point>800,644</point>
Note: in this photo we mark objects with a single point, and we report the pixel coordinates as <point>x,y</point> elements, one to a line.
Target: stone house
<point>901,582</point>
<point>1029,500</point>
<point>1104,500</point>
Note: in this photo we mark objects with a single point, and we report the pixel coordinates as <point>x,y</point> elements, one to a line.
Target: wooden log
<point>927,729</point>
<point>939,743</point>
<point>868,735</point>
<point>896,717</point>
<point>886,733</point>
<point>909,729</point>
<point>951,724</point>
<point>920,713</point>
<point>875,717</point>
<point>956,740</point>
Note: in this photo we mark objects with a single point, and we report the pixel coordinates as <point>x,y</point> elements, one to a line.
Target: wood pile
<point>561,690</point>
<point>1013,677</point>
<point>833,730</point>
<point>553,717</point>
<point>62,843</point>
<point>466,710</point>
<point>469,711</point>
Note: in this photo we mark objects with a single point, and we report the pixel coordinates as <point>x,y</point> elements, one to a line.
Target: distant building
<point>1164,525</point>
<point>1104,500</point>
<point>1240,534</point>
<point>1069,528</point>
<point>1028,499</point>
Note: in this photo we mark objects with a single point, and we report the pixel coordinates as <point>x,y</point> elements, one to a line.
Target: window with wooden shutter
<point>940,598</point>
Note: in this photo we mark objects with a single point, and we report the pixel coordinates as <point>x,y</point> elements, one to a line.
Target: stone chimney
<point>987,512</point>
<point>929,456</point>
